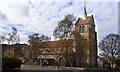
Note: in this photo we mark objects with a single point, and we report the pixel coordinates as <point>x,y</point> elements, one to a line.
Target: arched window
<point>83,29</point>
<point>80,29</point>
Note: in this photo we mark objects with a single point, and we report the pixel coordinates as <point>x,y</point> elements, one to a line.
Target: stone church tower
<point>86,27</point>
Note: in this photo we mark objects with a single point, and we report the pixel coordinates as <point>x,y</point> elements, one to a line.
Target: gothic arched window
<point>83,29</point>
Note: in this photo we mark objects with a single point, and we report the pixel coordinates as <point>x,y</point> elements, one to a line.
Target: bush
<point>117,61</point>
<point>10,62</point>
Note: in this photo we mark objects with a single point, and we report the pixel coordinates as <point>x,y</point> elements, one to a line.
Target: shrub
<point>10,62</point>
<point>117,61</point>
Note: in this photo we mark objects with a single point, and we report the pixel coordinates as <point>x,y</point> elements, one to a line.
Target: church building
<point>53,50</point>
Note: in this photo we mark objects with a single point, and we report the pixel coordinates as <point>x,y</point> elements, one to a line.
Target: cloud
<point>106,19</point>
<point>3,16</point>
<point>31,16</point>
<point>14,10</point>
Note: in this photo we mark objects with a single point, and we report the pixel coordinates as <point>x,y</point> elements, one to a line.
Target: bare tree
<point>36,42</point>
<point>13,37</point>
<point>110,46</point>
<point>64,31</point>
<point>2,39</point>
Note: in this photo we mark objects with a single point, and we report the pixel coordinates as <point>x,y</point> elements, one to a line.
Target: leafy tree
<point>64,31</point>
<point>13,37</point>
<point>110,46</point>
<point>64,28</point>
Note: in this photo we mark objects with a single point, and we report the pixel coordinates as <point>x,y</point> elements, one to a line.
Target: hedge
<point>117,61</point>
<point>10,62</point>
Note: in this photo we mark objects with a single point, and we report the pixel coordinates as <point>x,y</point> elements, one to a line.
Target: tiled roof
<point>47,44</point>
<point>58,43</point>
<point>13,46</point>
<point>81,21</point>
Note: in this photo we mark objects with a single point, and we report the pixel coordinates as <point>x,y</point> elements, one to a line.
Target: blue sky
<point>119,18</point>
<point>30,16</point>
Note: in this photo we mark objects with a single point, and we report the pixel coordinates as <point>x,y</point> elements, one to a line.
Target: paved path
<point>32,67</point>
<point>37,67</point>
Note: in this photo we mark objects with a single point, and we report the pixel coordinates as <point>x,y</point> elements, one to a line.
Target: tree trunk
<point>112,64</point>
<point>70,62</point>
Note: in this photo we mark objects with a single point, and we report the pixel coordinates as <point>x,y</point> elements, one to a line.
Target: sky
<point>42,16</point>
<point>119,18</point>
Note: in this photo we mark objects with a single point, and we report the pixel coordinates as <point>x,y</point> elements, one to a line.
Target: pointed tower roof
<point>85,13</point>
